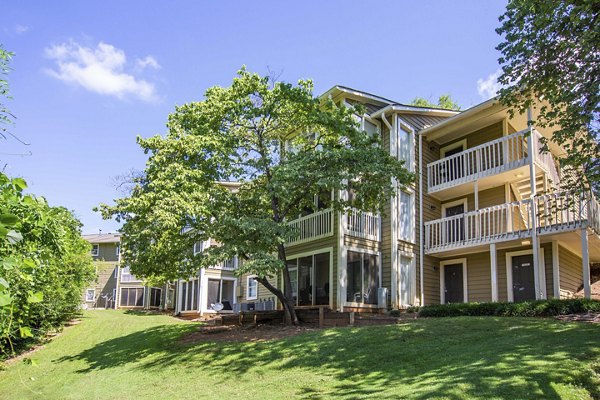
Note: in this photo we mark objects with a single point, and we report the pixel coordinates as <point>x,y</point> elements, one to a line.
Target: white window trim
<point>87,291</point>
<point>413,280</point>
<point>250,279</point>
<point>455,203</point>
<point>445,149</point>
<point>403,126</point>
<point>118,250</point>
<point>133,287</point>
<point>129,273</point>
<point>509,277</point>
<point>412,239</point>
<point>116,273</point>
<point>203,300</point>
<point>462,261</point>
<point>95,252</point>
<point>379,262</point>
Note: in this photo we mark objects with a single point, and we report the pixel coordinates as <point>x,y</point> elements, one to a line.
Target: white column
<point>342,258</point>
<point>178,303</point>
<point>555,270</point>
<point>534,237</point>
<point>585,260</point>
<point>494,271</point>
<point>421,223</point>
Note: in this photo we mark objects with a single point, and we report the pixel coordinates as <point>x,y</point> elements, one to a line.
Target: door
<point>455,228</point>
<point>227,295</point>
<point>453,283</point>
<point>453,168</point>
<point>523,278</point>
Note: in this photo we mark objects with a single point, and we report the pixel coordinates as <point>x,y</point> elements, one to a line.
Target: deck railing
<point>497,156</point>
<point>311,227</point>
<point>363,224</point>
<point>555,212</point>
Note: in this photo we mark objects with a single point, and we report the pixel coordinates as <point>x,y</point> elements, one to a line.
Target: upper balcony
<point>500,160</point>
<point>320,225</point>
<point>554,213</point>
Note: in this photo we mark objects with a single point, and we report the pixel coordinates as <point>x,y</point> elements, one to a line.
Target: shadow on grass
<point>450,358</point>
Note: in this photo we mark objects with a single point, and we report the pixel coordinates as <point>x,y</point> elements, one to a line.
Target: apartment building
<point>115,286</point>
<point>484,221</point>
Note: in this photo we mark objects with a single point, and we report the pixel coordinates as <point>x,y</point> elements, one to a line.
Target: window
<point>90,295</point>
<point>132,297</point>
<point>229,264</point>
<point>118,250</point>
<point>406,220</point>
<point>406,147</point>
<point>127,276</point>
<point>116,272</point>
<point>252,285</point>
<point>155,297</point>
<point>220,291</point>
<point>95,250</point>
<point>310,280</point>
<point>362,278</point>
<point>198,247</point>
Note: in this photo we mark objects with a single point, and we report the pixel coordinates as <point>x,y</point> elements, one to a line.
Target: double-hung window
<point>406,147</point>
<point>406,217</point>
<point>95,250</point>
<point>90,295</point>
<point>252,285</point>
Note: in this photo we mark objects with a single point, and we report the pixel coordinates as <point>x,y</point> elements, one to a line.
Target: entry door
<point>453,283</point>
<point>453,169</point>
<point>523,278</point>
<point>455,228</point>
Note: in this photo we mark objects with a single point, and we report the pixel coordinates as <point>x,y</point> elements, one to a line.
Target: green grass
<point>115,355</point>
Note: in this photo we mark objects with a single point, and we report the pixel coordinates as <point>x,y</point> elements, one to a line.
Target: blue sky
<point>91,76</point>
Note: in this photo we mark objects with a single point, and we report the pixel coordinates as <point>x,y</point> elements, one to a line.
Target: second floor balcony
<point>500,160</point>
<point>554,213</point>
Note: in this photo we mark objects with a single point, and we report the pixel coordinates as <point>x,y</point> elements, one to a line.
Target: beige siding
<point>570,272</point>
<point>487,198</point>
<point>107,252</point>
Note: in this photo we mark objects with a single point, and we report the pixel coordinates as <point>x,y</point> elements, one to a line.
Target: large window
<point>362,278</point>
<point>406,220</point>
<point>406,148</point>
<point>90,295</point>
<point>132,297</point>
<point>155,294</point>
<point>95,250</point>
<point>127,276</point>
<point>310,279</point>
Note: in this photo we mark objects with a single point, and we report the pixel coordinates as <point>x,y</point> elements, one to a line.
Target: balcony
<point>363,225</point>
<point>554,213</point>
<point>311,227</point>
<point>497,159</point>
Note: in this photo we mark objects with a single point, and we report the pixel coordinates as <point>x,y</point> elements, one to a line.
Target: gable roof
<point>98,238</point>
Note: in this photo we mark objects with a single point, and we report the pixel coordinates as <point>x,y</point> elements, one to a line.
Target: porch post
<point>421,223</point>
<point>555,270</point>
<point>585,259</point>
<point>532,148</point>
<point>341,258</point>
<point>394,215</point>
<point>494,271</point>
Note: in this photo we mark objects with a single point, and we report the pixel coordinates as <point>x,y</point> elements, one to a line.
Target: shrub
<point>538,308</point>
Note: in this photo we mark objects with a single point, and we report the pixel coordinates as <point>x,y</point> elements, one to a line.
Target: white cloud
<point>147,62</point>
<point>21,29</point>
<point>100,70</point>
<point>488,87</point>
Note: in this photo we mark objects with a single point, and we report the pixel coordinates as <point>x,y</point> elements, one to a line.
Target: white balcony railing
<point>311,227</point>
<point>491,158</point>
<point>363,224</point>
<point>555,212</point>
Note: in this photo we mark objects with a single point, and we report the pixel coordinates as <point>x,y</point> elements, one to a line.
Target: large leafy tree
<point>551,51</point>
<point>282,145</point>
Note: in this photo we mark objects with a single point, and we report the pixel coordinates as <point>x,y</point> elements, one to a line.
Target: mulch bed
<point>592,318</point>
<point>244,333</point>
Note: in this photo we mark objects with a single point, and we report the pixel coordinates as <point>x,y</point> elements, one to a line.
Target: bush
<point>538,308</point>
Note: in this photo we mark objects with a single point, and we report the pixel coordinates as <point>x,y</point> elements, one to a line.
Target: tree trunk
<point>288,305</point>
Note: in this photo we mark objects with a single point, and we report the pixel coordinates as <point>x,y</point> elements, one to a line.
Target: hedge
<point>538,308</point>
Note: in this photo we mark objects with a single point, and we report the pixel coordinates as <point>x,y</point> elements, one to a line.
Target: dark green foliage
<point>539,308</point>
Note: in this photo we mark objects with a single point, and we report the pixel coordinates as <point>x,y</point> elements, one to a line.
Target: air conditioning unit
<point>382,295</point>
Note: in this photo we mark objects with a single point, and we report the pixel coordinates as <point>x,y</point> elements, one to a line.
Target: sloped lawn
<point>116,355</point>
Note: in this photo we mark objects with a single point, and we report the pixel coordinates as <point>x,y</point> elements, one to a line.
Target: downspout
<point>421,269</point>
<point>393,214</point>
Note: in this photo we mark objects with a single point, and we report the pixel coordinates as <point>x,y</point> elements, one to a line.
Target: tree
<point>551,51</point>
<point>445,101</point>
<point>282,145</point>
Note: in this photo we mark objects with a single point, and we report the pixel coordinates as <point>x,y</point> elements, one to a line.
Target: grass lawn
<point>115,355</point>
